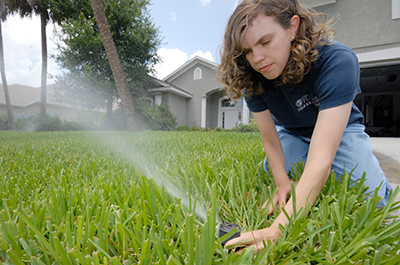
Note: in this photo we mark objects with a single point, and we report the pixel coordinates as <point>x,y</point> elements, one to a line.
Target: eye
<point>246,51</point>
<point>266,42</point>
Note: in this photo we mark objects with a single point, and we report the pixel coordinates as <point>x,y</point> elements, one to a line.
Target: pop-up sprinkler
<point>227,227</point>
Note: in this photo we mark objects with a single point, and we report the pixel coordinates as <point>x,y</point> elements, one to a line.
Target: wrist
<point>282,182</point>
<point>272,232</point>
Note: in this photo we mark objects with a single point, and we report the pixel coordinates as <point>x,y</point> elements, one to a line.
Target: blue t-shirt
<point>333,81</point>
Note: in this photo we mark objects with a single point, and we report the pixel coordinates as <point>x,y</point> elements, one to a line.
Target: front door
<point>230,119</point>
<point>230,113</point>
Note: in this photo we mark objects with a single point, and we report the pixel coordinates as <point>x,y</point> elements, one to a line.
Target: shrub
<point>35,123</point>
<point>182,128</point>
<point>220,129</point>
<point>78,126</point>
<point>157,117</point>
<point>4,122</point>
<point>251,127</point>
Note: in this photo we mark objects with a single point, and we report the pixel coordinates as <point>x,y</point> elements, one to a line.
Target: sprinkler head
<point>225,228</point>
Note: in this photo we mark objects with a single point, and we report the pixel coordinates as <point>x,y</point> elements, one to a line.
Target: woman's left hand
<point>257,239</point>
<point>279,199</point>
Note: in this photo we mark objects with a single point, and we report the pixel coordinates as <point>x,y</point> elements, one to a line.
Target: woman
<point>299,85</point>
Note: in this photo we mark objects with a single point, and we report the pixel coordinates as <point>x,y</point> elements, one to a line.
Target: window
<point>227,103</point>
<point>198,73</point>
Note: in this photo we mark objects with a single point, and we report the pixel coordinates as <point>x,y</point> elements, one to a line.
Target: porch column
<point>203,112</point>
<point>158,99</point>
<point>246,113</point>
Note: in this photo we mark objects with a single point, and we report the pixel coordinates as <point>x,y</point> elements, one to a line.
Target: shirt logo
<point>306,101</point>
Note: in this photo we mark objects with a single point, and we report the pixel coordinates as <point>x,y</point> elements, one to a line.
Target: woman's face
<point>267,45</point>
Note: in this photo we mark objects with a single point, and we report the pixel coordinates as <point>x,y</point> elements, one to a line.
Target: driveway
<point>387,151</point>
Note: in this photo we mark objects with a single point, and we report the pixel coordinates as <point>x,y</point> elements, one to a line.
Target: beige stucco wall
<point>198,88</point>
<point>364,25</point>
<point>178,106</point>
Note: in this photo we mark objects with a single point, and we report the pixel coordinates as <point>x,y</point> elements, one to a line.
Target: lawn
<point>156,198</point>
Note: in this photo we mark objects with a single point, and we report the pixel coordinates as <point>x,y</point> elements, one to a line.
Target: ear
<point>294,25</point>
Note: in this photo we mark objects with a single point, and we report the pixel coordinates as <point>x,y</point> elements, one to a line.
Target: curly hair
<point>235,72</point>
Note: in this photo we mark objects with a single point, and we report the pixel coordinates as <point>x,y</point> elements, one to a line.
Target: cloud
<point>206,55</point>
<point>174,16</point>
<point>22,51</point>
<point>205,2</point>
<point>172,59</point>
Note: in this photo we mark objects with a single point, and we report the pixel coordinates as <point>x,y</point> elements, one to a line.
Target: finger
<point>240,250</point>
<point>239,241</point>
<point>274,204</point>
<point>265,204</point>
<point>245,239</point>
<point>271,206</point>
<point>282,200</point>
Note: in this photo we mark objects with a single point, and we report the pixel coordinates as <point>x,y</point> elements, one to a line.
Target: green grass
<point>156,198</point>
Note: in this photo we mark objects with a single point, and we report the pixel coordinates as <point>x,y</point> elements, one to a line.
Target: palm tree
<point>3,15</point>
<point>116,67</point>
<point>40,7</point>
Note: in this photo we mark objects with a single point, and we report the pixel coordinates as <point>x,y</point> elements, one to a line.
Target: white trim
<point>158,99</point>
<point>378,58</point>
<point>395,9</point>
<point>172,90</point>
<point>203,112</point>
<point>245,113</point>
<point>189,64</point>
<point>220,109</point>
<point>198,73</point>
<point>315,3</point>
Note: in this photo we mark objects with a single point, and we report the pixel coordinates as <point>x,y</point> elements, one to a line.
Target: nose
<point>258,55</point>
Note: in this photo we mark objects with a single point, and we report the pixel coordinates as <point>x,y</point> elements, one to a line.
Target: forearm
<point>272,147</point>
<point>276,162</point>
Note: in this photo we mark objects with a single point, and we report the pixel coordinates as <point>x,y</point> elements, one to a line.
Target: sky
<point>187,28</point>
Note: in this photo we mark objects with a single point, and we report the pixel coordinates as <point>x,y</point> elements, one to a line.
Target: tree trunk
<point>43,91</point>
<point>5,86</point>
<point>116,67</point>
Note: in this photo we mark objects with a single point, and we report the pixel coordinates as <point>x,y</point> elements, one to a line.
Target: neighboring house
<point>195,97</point>
<point>372,29</point>
<point>25,100</point>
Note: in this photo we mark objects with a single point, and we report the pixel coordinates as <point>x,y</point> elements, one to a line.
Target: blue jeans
<point>354,154</point>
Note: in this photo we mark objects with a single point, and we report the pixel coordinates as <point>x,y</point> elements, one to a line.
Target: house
<point>25,100</point>
<point>195,97</point>
<point>369,27</point>
<point>372,29</point>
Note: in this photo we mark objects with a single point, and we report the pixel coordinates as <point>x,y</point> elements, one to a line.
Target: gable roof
<point>24,96</point>
<point>21,95</point>
<point>175,74</point>
<point>162,86</point>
